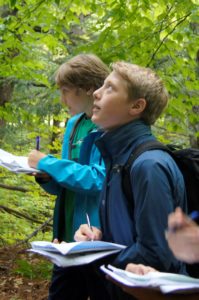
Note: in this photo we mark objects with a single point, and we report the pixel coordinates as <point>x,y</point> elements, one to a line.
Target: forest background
<point>36,36</point>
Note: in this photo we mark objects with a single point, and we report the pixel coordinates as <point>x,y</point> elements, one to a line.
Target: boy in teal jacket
<point>77,177</point>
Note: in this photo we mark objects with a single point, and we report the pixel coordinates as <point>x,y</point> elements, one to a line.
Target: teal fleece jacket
<point>84,177</point>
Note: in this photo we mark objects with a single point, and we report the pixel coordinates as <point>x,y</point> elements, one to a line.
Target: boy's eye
<point>109,87</point>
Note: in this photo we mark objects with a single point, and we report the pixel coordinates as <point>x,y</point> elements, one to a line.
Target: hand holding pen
<point>86,232</point>
<point>33,159</point>
<point>35,155</point>
<point>178,220</point>
<point>183,235</point>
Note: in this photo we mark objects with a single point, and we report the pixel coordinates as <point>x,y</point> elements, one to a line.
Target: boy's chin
<point>96,121</point>
<point>93,118</point>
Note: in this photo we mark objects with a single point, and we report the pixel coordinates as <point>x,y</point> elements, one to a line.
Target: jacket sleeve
<point>52,186</point>
<point>155,187</point>
<point>77,177</point>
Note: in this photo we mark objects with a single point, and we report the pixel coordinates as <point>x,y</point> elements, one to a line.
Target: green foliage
<point>35,269</point>
<point>160,34</point>
<point>37,36</point>
<point>33,205</point>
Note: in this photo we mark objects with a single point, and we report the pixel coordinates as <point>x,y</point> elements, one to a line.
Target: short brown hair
<point>82,71</point>
<point>144,83</point>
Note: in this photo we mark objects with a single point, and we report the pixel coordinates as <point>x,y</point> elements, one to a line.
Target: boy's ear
<point>138,106</point>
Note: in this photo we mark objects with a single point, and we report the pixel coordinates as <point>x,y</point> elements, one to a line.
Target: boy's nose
<point>96,94</point>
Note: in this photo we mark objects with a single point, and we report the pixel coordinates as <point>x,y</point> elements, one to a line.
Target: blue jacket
<point>158,187</point>
<point>85,178</point>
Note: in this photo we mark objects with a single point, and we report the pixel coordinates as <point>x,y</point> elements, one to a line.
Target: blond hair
<point>84,71</point>
<point>144,83</point>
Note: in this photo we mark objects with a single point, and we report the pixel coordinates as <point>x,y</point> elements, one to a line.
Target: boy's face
<point>77,100</point>
<point>111,104</point>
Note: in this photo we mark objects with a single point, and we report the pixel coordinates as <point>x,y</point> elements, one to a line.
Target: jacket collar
<point>120,140</point>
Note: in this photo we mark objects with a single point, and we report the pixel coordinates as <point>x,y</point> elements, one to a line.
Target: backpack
<point>188,163</point>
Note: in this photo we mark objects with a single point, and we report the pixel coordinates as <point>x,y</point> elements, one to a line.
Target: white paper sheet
<point>72,260</point>
<point>16,164</point>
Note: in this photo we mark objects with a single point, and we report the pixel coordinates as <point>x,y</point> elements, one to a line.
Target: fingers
<point>84,233</point>
<point>139,269</point>
<point>34,157</point>
<point>184,243</point>
<point>56,241</point>
<point>177,219</point>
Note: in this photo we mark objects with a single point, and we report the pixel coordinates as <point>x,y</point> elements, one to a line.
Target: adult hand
<point>85,233</point>
<point>183,237</point>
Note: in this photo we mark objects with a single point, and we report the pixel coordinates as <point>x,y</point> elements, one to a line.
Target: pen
<point>37,143</point>
<point>194,215</point>
<point>88,223</point>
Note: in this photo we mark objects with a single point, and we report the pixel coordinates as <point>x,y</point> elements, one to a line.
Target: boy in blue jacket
<point>76,179</point>
<point>131,99</point>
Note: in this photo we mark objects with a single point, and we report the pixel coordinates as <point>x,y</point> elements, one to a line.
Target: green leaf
<point>12,3</point>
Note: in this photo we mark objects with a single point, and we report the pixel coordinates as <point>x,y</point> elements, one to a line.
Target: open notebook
<point>75,253</point>
<point>165,282</point>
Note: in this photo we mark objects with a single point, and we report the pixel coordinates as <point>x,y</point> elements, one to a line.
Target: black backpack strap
<point>126,181</point>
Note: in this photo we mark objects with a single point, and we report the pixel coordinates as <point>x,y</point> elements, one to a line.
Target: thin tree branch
<point>14,188</point>
<point>35,232</point>
<point>169,33</point>
<point>20,215</point>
